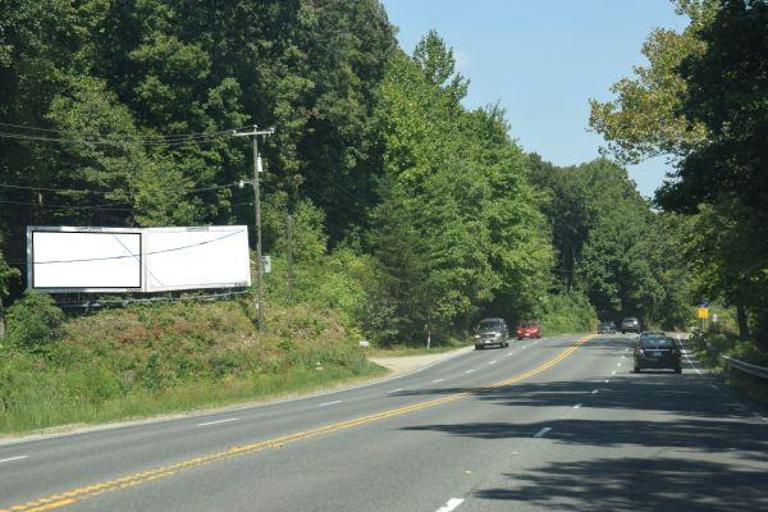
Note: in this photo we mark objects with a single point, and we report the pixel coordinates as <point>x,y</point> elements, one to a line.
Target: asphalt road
<point>559,424</point>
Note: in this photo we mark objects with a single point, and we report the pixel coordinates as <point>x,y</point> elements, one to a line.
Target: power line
<point>104,207</point>
<point>150,140</point>
<point>104,192</point>
<point>170,141</point>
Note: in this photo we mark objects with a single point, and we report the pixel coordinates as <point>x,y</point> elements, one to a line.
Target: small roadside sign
<point>266,264</point>
<point>703,313</point>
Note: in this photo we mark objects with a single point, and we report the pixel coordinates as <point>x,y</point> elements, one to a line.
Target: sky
<point>542,60</point>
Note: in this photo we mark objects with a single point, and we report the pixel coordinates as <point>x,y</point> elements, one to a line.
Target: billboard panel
<point>66,259</point>
<point>196,257</point>
<point>69,259</point>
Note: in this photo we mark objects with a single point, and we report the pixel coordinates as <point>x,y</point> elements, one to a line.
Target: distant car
<point>529,329</point>
<point>657,351</point>
<point>630,324</point>
<point>606,328</point>
<point>490,332</point>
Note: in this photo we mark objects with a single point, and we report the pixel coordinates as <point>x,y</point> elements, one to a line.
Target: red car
<point>529,329</point>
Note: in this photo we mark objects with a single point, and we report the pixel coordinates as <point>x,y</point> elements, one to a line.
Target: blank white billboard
<point>69,259</point>
<point>72,260</point>
<point>206,257</point>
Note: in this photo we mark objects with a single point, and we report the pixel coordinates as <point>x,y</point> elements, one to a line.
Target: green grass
<point>158,359</point>
<point>728,344</point>
<point>44,410</point>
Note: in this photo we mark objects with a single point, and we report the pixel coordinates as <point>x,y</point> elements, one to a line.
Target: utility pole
<point>257,168</point>
<point>289,229</point>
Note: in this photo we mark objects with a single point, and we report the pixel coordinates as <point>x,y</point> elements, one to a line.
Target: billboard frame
<point>31,230</point>
<point>142,256</point>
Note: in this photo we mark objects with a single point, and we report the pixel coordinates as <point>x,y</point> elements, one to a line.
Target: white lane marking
<point>713,386</point>
<point>577,406</point>
<point>594,391</point>
<point>623,357</point>
<point>696,368</point>
<point>11,459</point>
<point>761,417</point>
<point>510,354</point>
<point>396,390</point>
<point>469,371</point>
<point>542,432</point>
<point>607,381</point>
<point>451,505</point>
<point>437,380</point>
<point>525,346</point>
<point>626,349</point>
<point>216,422</point>
<point>613,372</point>
<point>618,364</point>
<point>326,404</point>
<point>492,362</point>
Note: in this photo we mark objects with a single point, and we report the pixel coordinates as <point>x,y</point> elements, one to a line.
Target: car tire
<point>623,332</point>
<point>636,369</point>
<point>478,347</point>
<point>678,369</point>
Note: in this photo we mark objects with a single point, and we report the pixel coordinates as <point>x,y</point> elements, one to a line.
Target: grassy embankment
<point>726,343</point>
<point>148,360</point>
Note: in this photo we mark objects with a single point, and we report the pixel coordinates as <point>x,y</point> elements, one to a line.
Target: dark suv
<point>490,332</point>
<point>631,324</point>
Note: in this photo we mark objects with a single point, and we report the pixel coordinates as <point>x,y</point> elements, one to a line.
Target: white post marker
<point>542,432</point>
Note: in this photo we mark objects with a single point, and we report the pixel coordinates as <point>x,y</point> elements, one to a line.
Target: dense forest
<point>121,113</point>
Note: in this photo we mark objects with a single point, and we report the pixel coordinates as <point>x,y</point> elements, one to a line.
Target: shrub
<point>566,313</point>
<point>34,321</point>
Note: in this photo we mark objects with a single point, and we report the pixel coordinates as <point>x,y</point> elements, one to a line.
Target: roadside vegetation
<point>144,360</point>
<point>391,210</point>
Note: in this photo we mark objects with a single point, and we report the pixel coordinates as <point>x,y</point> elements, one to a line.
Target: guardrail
<point>733,364</point>
<point>760,372</point>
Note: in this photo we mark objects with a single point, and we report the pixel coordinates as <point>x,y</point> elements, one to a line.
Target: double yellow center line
<point>73,496</point>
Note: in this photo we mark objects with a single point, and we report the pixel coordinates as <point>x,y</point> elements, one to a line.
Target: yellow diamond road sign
<point>703,313</point>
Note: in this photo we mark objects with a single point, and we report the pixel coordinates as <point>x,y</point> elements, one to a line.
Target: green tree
<point>644,120</point>
<point>458,231</point>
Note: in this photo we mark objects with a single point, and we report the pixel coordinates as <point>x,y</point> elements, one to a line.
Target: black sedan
<point>657,351</point>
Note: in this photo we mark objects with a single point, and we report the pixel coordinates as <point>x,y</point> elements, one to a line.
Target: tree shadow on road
<point>706,450</point>
<point>636,485</point>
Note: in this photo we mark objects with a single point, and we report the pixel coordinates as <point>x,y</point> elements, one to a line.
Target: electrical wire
<point>150,140</point>
<point>103,207</point>
<point>103,192</point>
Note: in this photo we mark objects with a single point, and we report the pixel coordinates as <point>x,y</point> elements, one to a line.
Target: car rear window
<point>657,342</point>
<point>487,325</point>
